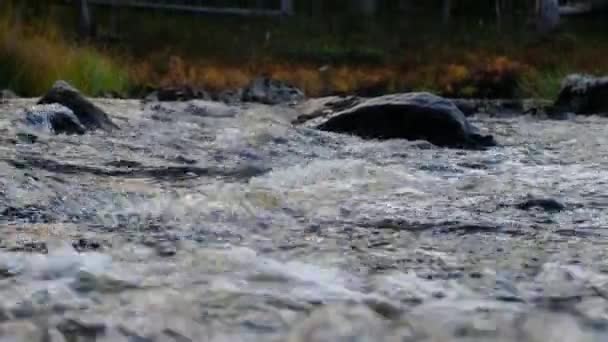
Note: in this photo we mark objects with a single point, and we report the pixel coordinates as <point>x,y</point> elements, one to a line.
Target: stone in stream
<point>89,115</point>
<point>271,92</point>
<point>86,282</point>
<point>173,94</point>
<point>582,94</point>
<point>8,94</point>
<point>53,119</point>
<point>411,116</point>
<point>231,96</point>
<point>82,328</point>
<point>547,204</point>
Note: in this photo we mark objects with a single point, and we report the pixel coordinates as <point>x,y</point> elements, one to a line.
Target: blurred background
<point>458,48</point>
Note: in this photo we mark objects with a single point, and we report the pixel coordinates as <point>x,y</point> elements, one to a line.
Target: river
<point>200,222</point>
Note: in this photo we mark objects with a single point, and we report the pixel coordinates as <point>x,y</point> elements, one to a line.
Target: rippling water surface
<point>199,222</point>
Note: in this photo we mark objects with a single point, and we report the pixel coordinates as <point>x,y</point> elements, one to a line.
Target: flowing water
<point>200,222</point>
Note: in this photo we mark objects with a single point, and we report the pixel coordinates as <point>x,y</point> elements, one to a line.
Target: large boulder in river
<point>89,115</point>
<point>412,116</point>
<point>271,92</point>
<point>53,119</point>
<point>583,94</point>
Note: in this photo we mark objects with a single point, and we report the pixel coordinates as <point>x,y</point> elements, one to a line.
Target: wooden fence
<point>245,8</point>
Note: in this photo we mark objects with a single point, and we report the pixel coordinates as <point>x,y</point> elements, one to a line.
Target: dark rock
<point>166,249</point>
<point>112,95</point>
<point>229,96</point>
<point>271,92</point>
<point>89,115</point>
<point>469,228</point>
<point>23,309</point>
<point>82,245</point>
<point>210,109</point>
<point>502,107</point>
<point>174,94</point>
<point>27,138</point>
<point>133,336</point>
<point>163,172</point>
<point>547,204</point>
<point>4,315</point>
<point>54,119</point>
<point>583,94</point>
<point>9,268</point>
<point>318,107</point>
<point>29,214</point>
<point>86,282</point>
<point>75,328</point>
<point>411,116</point>
<point>175,335</point>
<point>184,160</point>
<point>30,246</point>
<point>121,163</point>
<point>467,107</point>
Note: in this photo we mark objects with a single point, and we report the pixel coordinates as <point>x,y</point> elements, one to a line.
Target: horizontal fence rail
<point>283,7</point>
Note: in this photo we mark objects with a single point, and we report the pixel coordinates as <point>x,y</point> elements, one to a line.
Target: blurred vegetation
<point>34,55</point>
<point>322,53</point>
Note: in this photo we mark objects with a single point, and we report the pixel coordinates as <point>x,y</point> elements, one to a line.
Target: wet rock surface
<point>204,222</point>
<point>504,107</point>
<point>272,92</point>
<point>89,115</point>
<point>583,94</point>
<point>53,119</point>
<point>173,94</point>
<point>411,116</point>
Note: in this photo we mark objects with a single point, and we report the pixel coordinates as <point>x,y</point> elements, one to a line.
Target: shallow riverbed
<point>199,222</point>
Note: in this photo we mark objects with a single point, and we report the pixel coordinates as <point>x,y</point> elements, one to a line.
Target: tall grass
<point>32,57</point>
<point>320,55</point>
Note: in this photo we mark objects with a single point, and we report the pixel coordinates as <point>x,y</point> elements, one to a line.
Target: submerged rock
<point>502,107</point>
<point>583,94</point>
<point>82,328</point>
<point>411,116</point>
<point>8,94</point>
<point>173,94</point>
<point>89,115</point>
<point>546,204</point>
<point>272,92</point>
<point>53,119</point>
<point>231,97</point>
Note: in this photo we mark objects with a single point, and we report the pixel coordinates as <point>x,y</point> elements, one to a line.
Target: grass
<point>326,55</point>
<point>32,58</point>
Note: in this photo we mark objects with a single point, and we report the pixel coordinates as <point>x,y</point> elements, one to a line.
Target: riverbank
<point>336,57</point>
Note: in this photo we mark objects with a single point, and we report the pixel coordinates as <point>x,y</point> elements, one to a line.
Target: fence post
<point>287,7</point>
<point>367,7</point>
<point>86,22</point>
